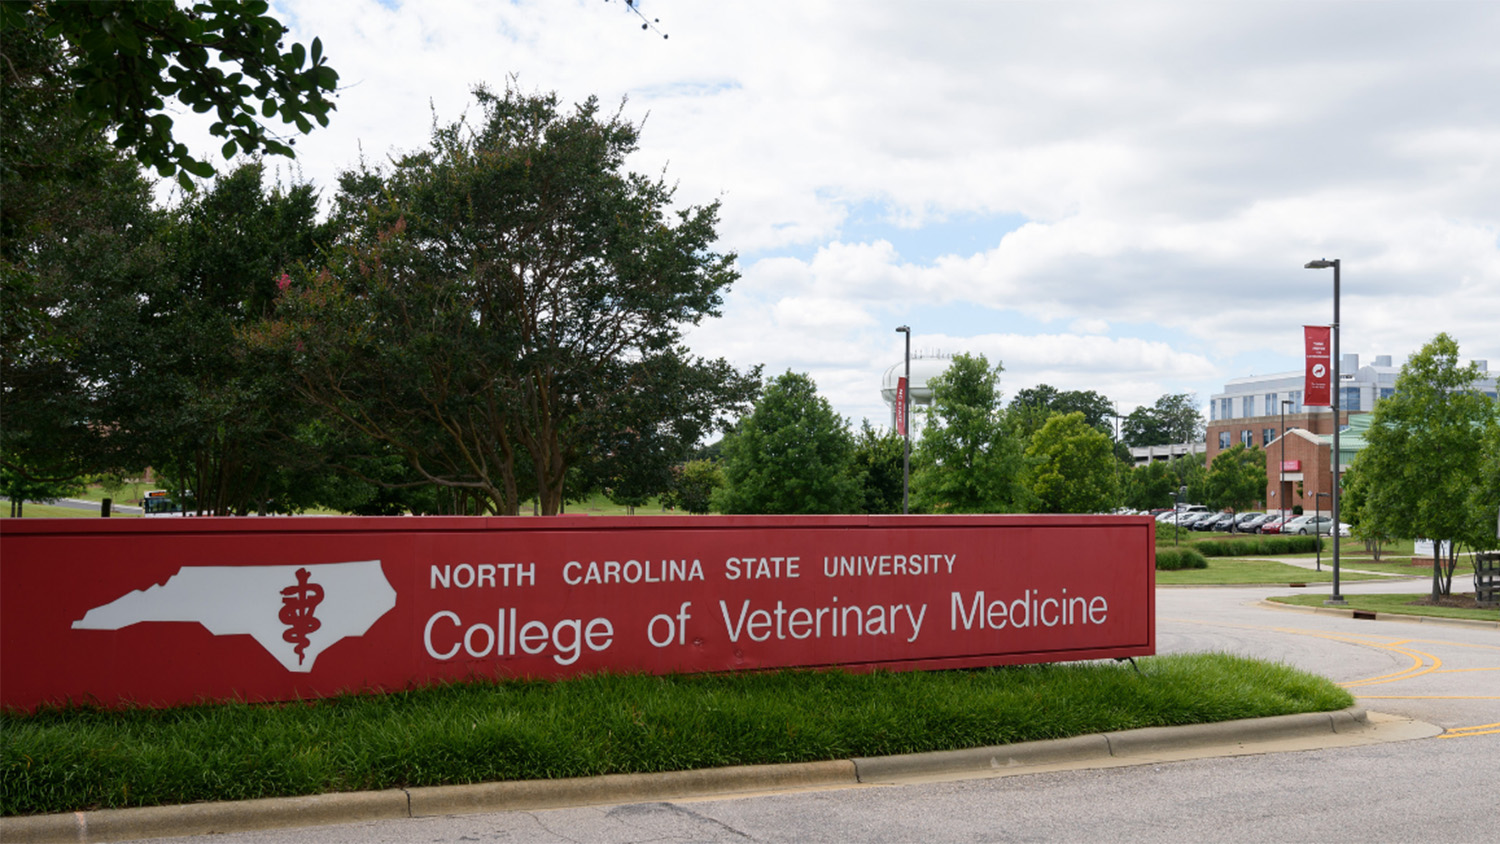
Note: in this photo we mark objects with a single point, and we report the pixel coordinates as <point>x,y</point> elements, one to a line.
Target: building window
<point>1270,404</point>
<point>1247,406</point>
<point>1267,435</point>
<point>1349,400</point>
<point>1247,438</point>
<point>1224,408</point>
<point>1387,392</point>
<point>1223,440</point>
<point>1296,398</point>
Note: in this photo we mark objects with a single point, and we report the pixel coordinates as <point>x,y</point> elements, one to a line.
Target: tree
<point>694,485</point>
<point>879,458</point>
<point>510,297</point>
<point>1484,500</point>
<point>1423,456</point>
<point>1237,478</point>
<point>1033,406</point>
<point>217,417</point>
<point>1363,523</point>
<point>78,245</point>
<point>1150,487</point>
<point>1174,418</point>
<point>1073,467</point>
<point>1191,473</point>
<point>966,462</point>
<point>120,62</point>
<point>792,454</point>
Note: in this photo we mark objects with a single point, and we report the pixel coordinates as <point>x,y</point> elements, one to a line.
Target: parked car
<point>1314,524</point>
<point>1212,521</point>
<point>1246,522</point>
<point>1290,525</point>
<point>1186,520</point>
<point>1223,522</point>
<point>1270,525</point>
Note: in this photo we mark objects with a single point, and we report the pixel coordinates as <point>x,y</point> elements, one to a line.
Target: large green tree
<point>694,484</point>
<point>218,418</point>
<point>1073,469</point>
<point>1031,407</point>
<point>966,462</point>
<point>1236,478</point>
<point>508,307</point>
<point>1424,457</point>
<point>791,454</point>
<point>119,63</point>
<point>79,244</point>
<point>879,456</point>
<point>1150,486</point>
<point>1173,418</point>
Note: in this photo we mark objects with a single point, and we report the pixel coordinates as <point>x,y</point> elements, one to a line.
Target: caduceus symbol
<point>297,605</point>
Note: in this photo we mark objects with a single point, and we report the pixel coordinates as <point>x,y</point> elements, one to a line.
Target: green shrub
<point>1172,559</point>
<point>1259,546</point>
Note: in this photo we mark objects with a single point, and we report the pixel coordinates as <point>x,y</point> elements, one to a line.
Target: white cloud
<point>1172,166</point>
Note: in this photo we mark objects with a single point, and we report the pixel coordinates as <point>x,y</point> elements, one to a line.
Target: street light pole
<point>1176,516</point>
<point>1323,264</point>
<point>1281,476</point>
<point>906,428</point>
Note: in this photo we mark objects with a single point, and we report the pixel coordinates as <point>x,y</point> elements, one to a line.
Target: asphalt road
<point>1439,789</point>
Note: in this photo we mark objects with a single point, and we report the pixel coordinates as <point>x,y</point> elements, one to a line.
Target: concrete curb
<point>1147,741</point>
<point>1370,615</point>
<point>353,807</point>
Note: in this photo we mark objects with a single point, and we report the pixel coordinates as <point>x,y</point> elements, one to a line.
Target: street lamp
<point>906,427</point>
<point>1177,512</point>
<point>1323,264</point>
<point>1318,533</point>
<point>1281,477</point>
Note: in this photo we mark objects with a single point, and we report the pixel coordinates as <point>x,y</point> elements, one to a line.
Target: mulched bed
<point>1463,602</point>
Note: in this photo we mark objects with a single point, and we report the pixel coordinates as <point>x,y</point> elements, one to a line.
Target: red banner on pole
<point>1318,386</point>
<point>900,407</point>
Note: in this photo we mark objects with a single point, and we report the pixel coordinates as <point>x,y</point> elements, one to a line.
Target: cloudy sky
<point>1111,196</point>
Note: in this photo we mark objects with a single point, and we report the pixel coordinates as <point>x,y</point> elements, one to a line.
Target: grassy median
<point>82,758</point>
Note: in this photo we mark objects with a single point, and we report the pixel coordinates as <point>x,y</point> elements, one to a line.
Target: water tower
<point>924,368</point>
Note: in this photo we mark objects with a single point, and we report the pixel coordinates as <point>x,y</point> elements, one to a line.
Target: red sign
<point>901,407</point>
<point>1318,385</point>
<point>1291,465</point>
<point>158,613</point>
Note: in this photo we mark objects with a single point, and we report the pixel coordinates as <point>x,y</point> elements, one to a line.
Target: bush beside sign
<point>283,608</point>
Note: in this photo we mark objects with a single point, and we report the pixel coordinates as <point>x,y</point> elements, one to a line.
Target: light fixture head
<point>1320,264</point>
<point>903,329</point>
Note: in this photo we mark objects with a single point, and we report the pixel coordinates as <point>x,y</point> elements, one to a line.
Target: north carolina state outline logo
<point>294,612</point>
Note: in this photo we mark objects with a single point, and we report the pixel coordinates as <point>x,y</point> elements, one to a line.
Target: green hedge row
<point>1172,559</point>
<point>1258,546</point>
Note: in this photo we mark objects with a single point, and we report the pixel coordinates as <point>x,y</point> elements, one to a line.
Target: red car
<point>1271,525</point>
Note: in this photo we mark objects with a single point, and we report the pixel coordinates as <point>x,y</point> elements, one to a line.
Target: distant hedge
<point>1172,559</point>
<point>1257,546</point>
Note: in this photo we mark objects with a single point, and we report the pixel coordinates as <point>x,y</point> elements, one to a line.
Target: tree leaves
<point>1425,452</point>
<point>124,59</point>
<point>792,454</point>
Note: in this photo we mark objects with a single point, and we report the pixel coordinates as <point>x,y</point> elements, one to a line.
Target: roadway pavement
<point>1416,760</point>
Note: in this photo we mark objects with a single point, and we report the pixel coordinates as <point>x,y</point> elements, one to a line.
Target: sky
<point>1114,196</point>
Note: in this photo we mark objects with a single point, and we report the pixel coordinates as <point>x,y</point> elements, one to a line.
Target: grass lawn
<point>1421,567</point>
<point>84,758</point>
<point>1230,570</point>
<point>1400,604</point>
<point>33,510</point>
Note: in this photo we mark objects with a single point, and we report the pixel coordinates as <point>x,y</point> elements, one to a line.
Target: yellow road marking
<point>1422,662</point>
<point>1428,697</point>
<point>1479,730</point>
